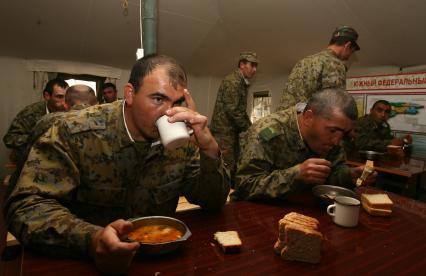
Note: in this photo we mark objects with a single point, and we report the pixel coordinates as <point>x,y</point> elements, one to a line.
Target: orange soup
<point>155,234</point>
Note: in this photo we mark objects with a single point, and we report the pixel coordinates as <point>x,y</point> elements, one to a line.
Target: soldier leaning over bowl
<point>94,167</point>
<point>288,152</point>
<point>373,131</point>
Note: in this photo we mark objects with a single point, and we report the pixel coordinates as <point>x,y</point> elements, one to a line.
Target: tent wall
<point>16,90</point>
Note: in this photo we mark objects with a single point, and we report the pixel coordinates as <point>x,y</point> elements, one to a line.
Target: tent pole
<point>149,25</point>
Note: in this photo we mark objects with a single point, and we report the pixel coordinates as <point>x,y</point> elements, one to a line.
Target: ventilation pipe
<point>149,25</point>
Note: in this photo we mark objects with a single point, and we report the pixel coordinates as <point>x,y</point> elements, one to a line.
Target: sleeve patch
<point>267,134</point>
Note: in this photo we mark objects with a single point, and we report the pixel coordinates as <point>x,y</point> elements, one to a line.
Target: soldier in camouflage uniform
<point>77,97</point>
<point>323,70</point>
<point>96,166</point>
<point>109,92</point>
<point>230,117</point>
<point>286,152</point>
<point>373,131</point>
<point>20,129</point>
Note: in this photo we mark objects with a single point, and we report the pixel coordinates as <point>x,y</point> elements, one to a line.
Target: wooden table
<point>378,245</point>
<point>412,175</point>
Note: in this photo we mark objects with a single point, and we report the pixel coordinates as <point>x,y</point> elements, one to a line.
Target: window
<point>261,105</point>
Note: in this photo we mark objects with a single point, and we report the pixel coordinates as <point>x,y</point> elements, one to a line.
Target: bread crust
<point>376,211</point>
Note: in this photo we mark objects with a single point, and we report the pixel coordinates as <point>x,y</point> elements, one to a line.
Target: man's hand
<point>314,171</point>
<point>111,254</point>
<point>202,136</point>
<point>357,172</point>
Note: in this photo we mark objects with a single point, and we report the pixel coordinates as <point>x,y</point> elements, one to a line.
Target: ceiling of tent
<point>207,35</point>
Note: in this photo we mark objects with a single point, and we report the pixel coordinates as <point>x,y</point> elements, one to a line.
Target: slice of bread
<point>229,241</point>
<point>376,211</point>
<point>302,244</point>
<point>299,238</point>
<point>377,201</point>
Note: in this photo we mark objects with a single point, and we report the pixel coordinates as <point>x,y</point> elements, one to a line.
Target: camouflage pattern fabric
<point>21,127</point>
<point>41,127</point>
<point>230,117</point>
<point>271,152</point>
<point>85,172</point>
<point>371,136</point>
<point>313,73</point>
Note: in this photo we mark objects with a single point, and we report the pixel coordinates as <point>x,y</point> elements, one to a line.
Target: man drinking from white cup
<point>98,166</point>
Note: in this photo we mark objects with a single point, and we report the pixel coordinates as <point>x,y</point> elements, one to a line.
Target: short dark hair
<point>57,81</point>
<point>149,63</point>
<point>340,40</point>
<point>109,84</point>
<point>325,101</point>
<point>381,102</point>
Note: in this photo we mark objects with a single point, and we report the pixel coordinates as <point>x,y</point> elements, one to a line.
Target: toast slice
<point>377,201</point>
<point>302,244</point>
<point>299,238</point>
<point>376,211</point>
<point>229,241</point>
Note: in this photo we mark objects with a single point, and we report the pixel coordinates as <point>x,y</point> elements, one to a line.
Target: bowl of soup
<point>158,234</point>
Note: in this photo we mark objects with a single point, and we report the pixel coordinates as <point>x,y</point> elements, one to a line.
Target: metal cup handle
<point>331,210</point>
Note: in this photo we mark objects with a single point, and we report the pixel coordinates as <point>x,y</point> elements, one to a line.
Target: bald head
<point>80,94</point>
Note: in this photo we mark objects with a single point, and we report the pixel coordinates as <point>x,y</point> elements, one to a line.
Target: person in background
<point>20,129</point>
<point>373,131</point>
<point>77,97</point>
<point>322,70</point>
<point>289,152</point>
<point>96,167</point>
<point>109,92</point>
<point>230,117</point>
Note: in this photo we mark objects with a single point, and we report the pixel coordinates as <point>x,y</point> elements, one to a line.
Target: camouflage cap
<point>349,33</point>
<point>249,56</point>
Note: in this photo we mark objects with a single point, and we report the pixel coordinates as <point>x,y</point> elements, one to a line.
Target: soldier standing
<point>230,117</point>
<point>323,70</point>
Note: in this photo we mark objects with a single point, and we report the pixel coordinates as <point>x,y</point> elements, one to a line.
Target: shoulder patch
<point>267,134</point>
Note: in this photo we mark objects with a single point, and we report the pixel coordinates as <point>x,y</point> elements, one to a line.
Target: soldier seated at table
<point>286,152</point>
<point>95,167</point>
<point>373,131</point>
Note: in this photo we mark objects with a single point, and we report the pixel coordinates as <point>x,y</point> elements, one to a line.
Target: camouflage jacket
<point>21,127</point>
<point>85,172</point>
<point>370,136</point>
<point>41,127</point>
<point>230,114</point>
<point>271,152</point>
<point>313,73</point>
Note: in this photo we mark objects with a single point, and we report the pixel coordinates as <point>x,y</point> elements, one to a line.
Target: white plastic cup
<point>345,211</point>
<point>172,135</point>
